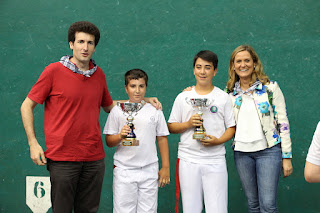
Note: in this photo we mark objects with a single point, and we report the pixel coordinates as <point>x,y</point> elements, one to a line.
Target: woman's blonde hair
<point>257,73</point>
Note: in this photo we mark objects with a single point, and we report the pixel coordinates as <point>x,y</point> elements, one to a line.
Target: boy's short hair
<point>135,74</point>
<point>207,55</point>
<point>86,27</point>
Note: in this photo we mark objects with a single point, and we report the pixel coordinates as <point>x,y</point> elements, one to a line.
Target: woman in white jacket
<point>262,144</point>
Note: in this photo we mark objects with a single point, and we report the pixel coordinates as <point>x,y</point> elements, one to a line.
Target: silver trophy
<point>199,104</point>
<point>131,109</point>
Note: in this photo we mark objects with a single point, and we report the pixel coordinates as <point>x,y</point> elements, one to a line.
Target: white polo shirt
<point>217,118</point>
<point>148,123</point>
<point>314,150</point>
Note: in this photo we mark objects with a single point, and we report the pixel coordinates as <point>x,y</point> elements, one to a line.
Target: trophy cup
<point>130,108</point>
<point>199,104</point>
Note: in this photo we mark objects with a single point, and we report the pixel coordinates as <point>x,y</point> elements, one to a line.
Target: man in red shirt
<point>73,91</point>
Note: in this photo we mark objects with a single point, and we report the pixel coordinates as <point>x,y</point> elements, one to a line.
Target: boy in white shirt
<point>312,166</point>
<point>136,177</point>
<point>201,164</point>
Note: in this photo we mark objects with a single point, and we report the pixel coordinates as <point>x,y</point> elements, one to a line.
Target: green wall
<point>161,37</point>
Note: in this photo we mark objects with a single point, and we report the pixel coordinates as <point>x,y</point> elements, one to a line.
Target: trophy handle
<point>209,102</point>
<point>188,101</point>
<point>120,105</point>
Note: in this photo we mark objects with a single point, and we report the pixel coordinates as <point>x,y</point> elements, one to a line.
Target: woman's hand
<point>287,167</point>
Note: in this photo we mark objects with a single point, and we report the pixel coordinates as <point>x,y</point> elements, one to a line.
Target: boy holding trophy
<point>201,165</point>
<point>134,127</point>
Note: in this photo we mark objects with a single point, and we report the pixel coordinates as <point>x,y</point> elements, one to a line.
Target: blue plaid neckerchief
<point>238,89</point>
<point>65,61</point>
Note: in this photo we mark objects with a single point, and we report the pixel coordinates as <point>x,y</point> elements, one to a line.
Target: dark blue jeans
<point>76,185</point>
<point>259,174</point>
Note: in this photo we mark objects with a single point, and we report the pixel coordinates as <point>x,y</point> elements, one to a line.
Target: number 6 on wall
<point>38,193</point>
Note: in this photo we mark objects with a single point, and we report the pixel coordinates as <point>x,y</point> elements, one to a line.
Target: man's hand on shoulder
<point>189,88</point>
<point>154,101</point>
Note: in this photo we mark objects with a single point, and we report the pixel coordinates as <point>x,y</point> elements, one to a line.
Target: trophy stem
<point>131,109</point>
<point>131,134</point>
<point>199,131</point>
<point>199,104</point>
<point>131,138</point>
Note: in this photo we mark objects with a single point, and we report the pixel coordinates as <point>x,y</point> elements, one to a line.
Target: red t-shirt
<point>71,116</point>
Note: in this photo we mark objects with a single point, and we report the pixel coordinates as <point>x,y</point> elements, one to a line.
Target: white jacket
<point>271,108</point>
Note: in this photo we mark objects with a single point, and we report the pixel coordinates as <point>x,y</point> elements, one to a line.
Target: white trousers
<point>135,190</point>
<point>208,182</point>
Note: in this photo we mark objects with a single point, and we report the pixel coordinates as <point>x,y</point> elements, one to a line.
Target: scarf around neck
<point>238,89</point>
<point>65,61</point>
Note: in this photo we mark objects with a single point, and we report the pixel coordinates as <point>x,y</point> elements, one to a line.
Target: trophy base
<point>199,136</point>
<point>130,142</point>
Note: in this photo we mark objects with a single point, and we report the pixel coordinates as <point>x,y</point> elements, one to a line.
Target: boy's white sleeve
<point>162,128</point>
<point>176,112</point>
<point>228,114</point>
<point>112,125</point>
<point>314,150</point>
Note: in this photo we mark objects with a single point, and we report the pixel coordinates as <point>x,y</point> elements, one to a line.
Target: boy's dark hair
<point>207,55</point>
<point>135,74</point>
<point>86,27</point>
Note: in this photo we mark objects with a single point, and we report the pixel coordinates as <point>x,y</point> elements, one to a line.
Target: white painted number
<point>38,193</point>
